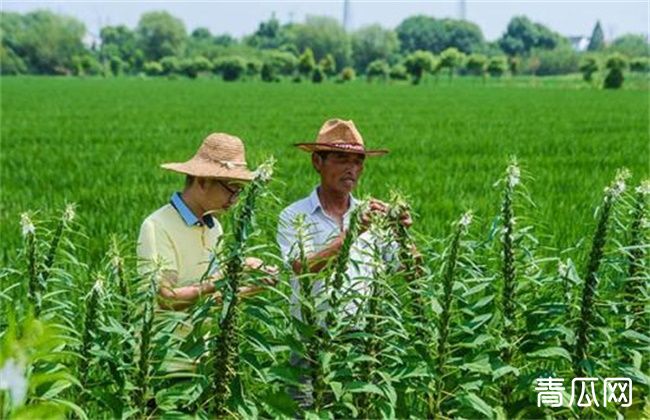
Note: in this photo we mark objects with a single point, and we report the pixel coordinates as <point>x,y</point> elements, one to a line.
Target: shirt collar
<point>187,215</point>
<point>314,202</point>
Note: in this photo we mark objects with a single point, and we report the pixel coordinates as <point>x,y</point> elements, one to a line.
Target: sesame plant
<point>455,327</point>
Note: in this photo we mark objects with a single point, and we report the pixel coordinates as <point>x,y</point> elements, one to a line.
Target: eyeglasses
<point>233,191</point>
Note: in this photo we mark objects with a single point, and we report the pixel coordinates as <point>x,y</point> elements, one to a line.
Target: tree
<point>631,45</point>
<point>281,62</point>
<point>476,64</point>
<point>563,60</point>
<point>253,67</point>
<point>615,63</point>
<point>418,63</point>
<point>421,33</point>
<point>324,35</point>
<point>269,35</point>
<point>45,42</point>
<point>201,34</point>
<point>268,73</point>
<point>514,63</point>
<point>597,41</point>
<point>152,68</point>
<point>160,34</point>
<point>348,74</point>
<point>306,62</point>
<point>398,72</point>
<point>328,65</point>
<point>170,65</point>
<point>465,36</point>
<point>372,43</point>
<point>497,66</point>
<point>377,69</point>
<point>230,68</point>
<point>317,75</point>
<point>640,64</point>
<point>588,67</point>
<point>10,62</point>
<point>119,41</point>
<point>522,36</point>
<point>451,58</point>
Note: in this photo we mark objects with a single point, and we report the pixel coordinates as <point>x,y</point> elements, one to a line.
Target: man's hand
<point>257,264</point>
<point>380,208</point>
<point>375,207</point>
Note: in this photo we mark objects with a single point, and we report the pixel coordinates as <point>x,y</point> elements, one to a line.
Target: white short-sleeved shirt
<point>320,230</point>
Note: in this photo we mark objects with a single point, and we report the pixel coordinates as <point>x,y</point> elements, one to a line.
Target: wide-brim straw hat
<point>220,156</point>
<point>340,136</point>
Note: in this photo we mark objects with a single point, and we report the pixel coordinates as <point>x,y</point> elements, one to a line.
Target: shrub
<point>230,68</point>
<point>398,72</point>
<point>640,64</point>
<point>317,75</point>
<point>497,66</point>
<point>348,74</point>
<point>377,69</point>
<point>616,63</point>
<point>588,67</point>
<point>153,68</point>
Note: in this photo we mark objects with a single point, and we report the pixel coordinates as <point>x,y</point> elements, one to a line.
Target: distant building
<point>579,43</point>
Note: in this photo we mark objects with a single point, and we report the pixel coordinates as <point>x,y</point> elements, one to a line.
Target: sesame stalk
<point>342,260</point>
<point>372,343</point>
<point>587,312</point>
<point>34,285</point>
<point>444,320</point>
<point>141,381</point>
<point>408,265</point>
<point>225,345</point>
<point>67,216</point>
<point>635,285</point>
<point>508,270</point>
<point>90,326</point>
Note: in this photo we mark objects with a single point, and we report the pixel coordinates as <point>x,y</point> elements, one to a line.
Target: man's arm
<point>317,261</point>
<point>179,298</point>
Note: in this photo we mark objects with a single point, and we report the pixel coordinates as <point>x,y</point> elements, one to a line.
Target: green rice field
<point>99,142</point>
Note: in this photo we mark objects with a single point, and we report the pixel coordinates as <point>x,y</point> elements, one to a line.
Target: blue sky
<point>242,17</point>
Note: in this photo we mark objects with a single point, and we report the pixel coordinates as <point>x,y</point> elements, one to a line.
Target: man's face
<point>217,194</point>
<point>339,171</point>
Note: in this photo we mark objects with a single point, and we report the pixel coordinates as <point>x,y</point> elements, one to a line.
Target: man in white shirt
<point>338,156</point>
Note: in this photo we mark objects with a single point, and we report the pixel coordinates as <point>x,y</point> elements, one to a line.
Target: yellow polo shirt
<point>183,248</point>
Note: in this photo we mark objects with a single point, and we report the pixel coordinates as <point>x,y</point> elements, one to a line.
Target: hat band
<point>347,146</point>
<point>229,164</point>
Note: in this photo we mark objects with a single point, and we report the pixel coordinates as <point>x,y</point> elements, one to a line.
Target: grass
<point>100,142</point>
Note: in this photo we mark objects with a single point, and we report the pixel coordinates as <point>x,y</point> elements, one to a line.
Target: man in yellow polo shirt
<point>183,234</point>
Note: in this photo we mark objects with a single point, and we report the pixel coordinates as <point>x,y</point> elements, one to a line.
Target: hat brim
<point>209,170</point>
<point>319,147</point>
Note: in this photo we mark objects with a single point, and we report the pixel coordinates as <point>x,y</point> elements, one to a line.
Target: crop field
<point>534,249</point>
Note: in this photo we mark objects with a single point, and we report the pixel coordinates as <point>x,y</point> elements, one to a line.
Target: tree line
<point>42,42</point>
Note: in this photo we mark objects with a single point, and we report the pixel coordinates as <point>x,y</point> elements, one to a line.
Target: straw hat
<point>220,156</point>
<point>339,136</point>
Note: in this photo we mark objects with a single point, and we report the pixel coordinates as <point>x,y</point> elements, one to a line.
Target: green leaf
<point>281,403</point>
<point>363,387</point>
<point>550,353</point>
<point>476,403</point>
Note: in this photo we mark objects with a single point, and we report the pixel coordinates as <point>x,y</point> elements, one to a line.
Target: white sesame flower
<point>618,186</point>
<point>12,378</point>
<point>27,225</point>
<point>644,188</point>
<point>563,269</point>
<point>264,172</point>
<point>116,261</point>
<point>70,212</point>
<point>98,287</point>
<point>466,219</point>
<point>514,174</point>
